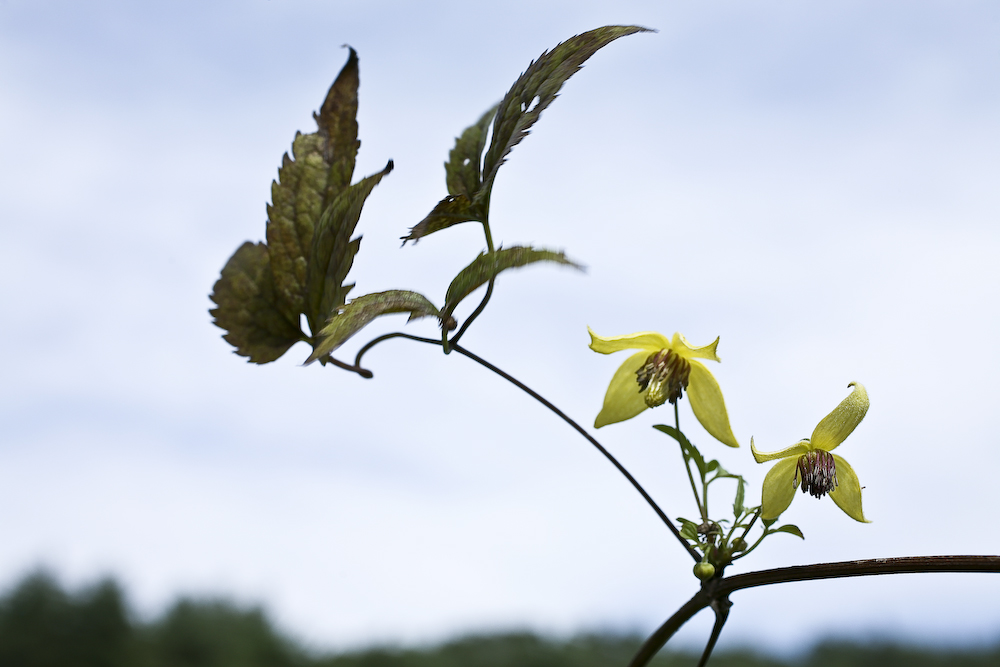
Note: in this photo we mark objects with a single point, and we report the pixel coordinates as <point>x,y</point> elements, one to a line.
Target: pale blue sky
<point>816,185</point>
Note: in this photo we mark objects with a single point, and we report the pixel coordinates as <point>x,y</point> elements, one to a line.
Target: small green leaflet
<point>520,108</point>
<point>488,265</point>
<point>463,168</point>
<point>789,528</point>
<point>354,316</point>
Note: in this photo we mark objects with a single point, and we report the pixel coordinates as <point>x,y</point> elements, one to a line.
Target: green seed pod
<point>704,571</point>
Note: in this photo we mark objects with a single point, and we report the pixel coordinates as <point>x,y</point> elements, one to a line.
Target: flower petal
<point>839,424</point>
<point>681,346</point>
<point>778,491</point>
<point>644,340</point>
<point>847,495</point>
<point>707,404</point>
<point>798,449</point>
<point>623,400</point>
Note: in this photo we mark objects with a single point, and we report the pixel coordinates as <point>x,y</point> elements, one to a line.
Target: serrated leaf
<point>537,88</point>
<point>488,265</point>
<point>791,529</point>
<point>248,308</point>
<point>357,314</point>
<point>333,250</point>
<point>463,170</point>
<point>463,173</point>
<point>320,168</point>
<point>451,210</point>
<point>338,124</point>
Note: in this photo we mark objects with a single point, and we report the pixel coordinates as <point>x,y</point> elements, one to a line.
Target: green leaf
<point>463,169</point>
<point>789,528</point>
<point>689,529</point>
<point>320,168</point>
<point>738,503</point>
<point>464,177</point>
<point>535,90</point>
<point>338,125</point>
<point>488,265</point>
<point>357,314</point>
<point>333,250</point>
<point>451,210</point>
<point>470,184</point>
<point>689,451</point>
<point>675,434</point>
<point>248,307</point>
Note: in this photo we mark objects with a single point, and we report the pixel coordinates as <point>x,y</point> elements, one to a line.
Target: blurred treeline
<point>42,625</point>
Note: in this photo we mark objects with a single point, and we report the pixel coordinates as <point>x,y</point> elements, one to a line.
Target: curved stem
<point>655,642</point>
<point>367,374</point>
<point>486,298</point>
<point>541,399</point>
<point>721,608</point>
<point>860,568</point>
<point>453,343</point>
<point>719,589</point>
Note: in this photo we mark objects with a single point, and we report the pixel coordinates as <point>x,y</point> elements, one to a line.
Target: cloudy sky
<point>817,186</point>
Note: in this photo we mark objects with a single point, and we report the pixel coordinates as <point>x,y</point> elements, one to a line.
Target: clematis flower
<point>660,372</point>
<point>810,464</point>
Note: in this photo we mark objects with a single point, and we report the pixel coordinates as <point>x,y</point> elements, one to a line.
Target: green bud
<point>739,544</point>
<point>704,571</point>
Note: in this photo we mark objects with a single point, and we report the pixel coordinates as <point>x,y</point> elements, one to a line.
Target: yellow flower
<point>660,372</point>
<point>811,464</point>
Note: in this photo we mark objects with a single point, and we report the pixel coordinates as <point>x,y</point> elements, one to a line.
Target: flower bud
<point>704,570</point>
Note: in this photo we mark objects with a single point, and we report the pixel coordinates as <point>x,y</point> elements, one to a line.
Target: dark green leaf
<point>333,250</point>
<point>537,87</point>
<point>354,316</point>
<point>248,308</point>
<point>789,528</point>
<point>488,265</point>
<point>320,168</point>
<point>338,125</point>
<point>451,210</point>
<point>463,168</point>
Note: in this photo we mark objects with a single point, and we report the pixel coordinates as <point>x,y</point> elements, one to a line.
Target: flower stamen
<point>666,375</point>
<point>819,473</point>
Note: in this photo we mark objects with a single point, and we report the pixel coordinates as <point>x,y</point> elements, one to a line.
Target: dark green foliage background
<point>42,625</point>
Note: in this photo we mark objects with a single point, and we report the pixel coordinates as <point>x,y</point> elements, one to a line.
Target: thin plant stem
<point>367,374</point>
<point>449,344</point>
<point>721,608</point>
<point>541,399</point>
<point>687,467</point>
<point>717,589</point>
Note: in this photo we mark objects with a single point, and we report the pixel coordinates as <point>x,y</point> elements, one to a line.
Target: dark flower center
<point>665,374</point>
<point>818,471</point>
